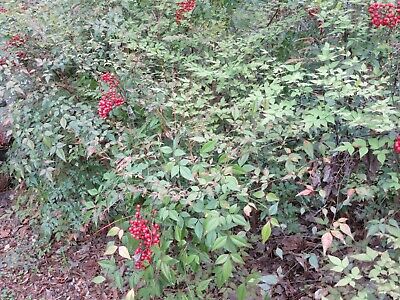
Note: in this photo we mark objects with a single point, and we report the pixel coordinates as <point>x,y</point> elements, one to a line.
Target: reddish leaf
<point>305,192</point>
<point>326,241</point>
<point>337,234</point>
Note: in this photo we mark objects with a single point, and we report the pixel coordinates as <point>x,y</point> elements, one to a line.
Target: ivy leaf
<point>186,173</point>
<point>98,279</point>
<point>266,232</point>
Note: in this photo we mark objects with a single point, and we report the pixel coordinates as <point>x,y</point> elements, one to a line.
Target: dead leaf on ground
<point>4,232</point>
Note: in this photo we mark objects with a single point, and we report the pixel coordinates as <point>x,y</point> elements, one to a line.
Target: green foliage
<point>228,119</point>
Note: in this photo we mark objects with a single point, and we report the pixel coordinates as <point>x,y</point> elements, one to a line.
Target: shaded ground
<point>61,272</point>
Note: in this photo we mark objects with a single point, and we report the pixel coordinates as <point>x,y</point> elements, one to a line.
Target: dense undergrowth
<point>239,120</point>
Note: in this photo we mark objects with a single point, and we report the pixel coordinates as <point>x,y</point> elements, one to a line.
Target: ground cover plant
<point>225,149</point>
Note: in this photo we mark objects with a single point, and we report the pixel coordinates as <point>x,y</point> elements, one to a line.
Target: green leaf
<point>241,292</point>
<point>271,197</point>
<point>344,281</point>
<point>363,151</point>
<point>207,147</point>
<point>166,271</point>
<point>60,153</point>
<point>179,152</point>
<point>381,157</point>
<point>186,173</point>
<point>202,285</point>
<point>240,220</point>
<point>173,214</point>
<point>308,148</point>
<point>93,192</point>
<point>259,194</point>
<point>334,260</point>
<point>98,279</point>
<point>211,223</point>
<point>238,241</point>
<point>232,183</point>
<point>221,259</point>
<point>174,171</point>
<point>166,150</point>
<point>313,261</point>
<point>198,230</point>
<point>237,258</point>
<point>219,242</point>
<point>266,232</point>
<point>227,269</point>
<point>107,264</point>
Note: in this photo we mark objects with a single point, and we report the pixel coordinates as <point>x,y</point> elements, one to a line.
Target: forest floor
<point>62,271</point>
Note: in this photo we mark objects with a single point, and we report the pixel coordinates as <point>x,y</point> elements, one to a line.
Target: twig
<point>108,225</point>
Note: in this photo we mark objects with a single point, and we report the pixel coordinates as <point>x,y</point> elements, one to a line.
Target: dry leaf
<point>337,234</point>
<point>326,241</point>
<point>123,251</point>
<point>249,208</point>
<point>305,192</point>
<point>5,232</point>
<point>346,230</point>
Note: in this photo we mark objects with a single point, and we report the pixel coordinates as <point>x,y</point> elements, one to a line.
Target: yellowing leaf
<point>266,232</point>
<point>98,279</point>
<point>123,251</point>
<point>110,250</point>
<point>113,231</point>
<point>130,295</point>
<point>326,241</point>
<point>120,233</point>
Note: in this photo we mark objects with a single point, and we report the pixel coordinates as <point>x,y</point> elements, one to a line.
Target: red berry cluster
<point>148,235</point>
<point>111,98</point>
<point>397,145</point>
<point>384,14</point>
<point>185,6</point>
<point>3,61</point>
<point>3,10</point>
<point>16,41</point>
